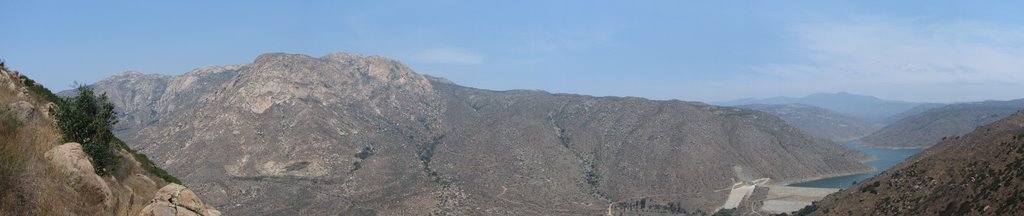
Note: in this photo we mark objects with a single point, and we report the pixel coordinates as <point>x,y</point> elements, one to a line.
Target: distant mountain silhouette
<point>820,122</point>
<point>860,106</point>
<point>924,107</point>
<point>927,128</point>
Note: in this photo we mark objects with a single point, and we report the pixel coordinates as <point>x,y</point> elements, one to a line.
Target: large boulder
<point>10,84</point>
<point>22,110</point>
<point>175,199</point>
<point>70,159</point>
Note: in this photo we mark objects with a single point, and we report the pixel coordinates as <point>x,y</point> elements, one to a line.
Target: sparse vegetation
<point>11,157</point>
<point>807,210</point>
<point>88,119</point>
<point>147,164</point>
<point>724,212</point>
<point>365,153</point>
<point>426,154</point>
<point>656,206</point>
<point>38,89</point>
<point>872,188</point>
<point>26,181</point>
<point>356,166</point>
<point>31,185</point>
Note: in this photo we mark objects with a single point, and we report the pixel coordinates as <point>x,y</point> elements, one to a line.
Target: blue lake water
<point>886,159</point>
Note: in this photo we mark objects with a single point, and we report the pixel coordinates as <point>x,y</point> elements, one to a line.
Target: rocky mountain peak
<point>132,75</point>
<point>301,66</point>
<point>214,69</point>
<point>276,78</point>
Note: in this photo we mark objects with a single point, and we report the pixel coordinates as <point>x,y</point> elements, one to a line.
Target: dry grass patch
<point>29,185</point>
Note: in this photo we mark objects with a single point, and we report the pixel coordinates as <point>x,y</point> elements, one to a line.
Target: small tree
<point>88,119</point>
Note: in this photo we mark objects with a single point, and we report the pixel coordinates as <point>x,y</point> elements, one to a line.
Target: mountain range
<point>929,127</point>
<point>365,135</point>
<point>819,122</point>
<point>864,107</point>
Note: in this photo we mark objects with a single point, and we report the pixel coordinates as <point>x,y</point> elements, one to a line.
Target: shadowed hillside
<point>819,122</point>
<point>929,127</point>
<point>859,106</point>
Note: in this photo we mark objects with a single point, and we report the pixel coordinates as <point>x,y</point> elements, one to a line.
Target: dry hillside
<point>977,174</point>
<point>929,127</point>
<point>362,135</point>
<point>819,122</point>
<point>41,176</point>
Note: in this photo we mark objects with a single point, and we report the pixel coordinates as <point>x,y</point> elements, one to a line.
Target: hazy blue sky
<point>690,50</point>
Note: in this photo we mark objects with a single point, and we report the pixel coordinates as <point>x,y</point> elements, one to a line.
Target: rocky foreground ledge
<point>175,199</point>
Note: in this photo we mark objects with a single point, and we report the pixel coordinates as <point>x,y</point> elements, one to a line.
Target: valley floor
<point>778,199</point>
<point>785,199</point>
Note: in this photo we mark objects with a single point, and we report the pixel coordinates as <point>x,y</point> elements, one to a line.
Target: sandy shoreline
<point>894,148</point>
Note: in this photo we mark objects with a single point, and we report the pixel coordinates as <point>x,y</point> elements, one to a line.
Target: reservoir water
<point>886,159</point>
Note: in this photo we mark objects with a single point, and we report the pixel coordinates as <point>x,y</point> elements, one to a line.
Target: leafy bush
<point>87,119</point>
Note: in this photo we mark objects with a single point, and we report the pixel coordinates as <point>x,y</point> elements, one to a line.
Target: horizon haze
<point>920,51</point>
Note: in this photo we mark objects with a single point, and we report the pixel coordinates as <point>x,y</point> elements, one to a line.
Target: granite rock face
<point>22,110</point>
<point>362,135</point>
<point>173,200</point>
<point>70,159</point>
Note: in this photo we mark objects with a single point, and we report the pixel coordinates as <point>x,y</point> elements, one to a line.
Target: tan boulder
<point>10,84</point>
<point>70,159</point>
<point>48,109</point>
<point>23,92</point>
<point>23,110</point>
<point>159,208</point>
<point>176,200</point>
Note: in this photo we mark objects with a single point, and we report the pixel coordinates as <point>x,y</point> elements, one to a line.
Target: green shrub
<point>87,119</point>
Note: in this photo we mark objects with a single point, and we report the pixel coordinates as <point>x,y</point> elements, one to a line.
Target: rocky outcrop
<point>298,135</point>
<point>22,110</point>
<point>176,200</point>
<point>70,159</point>
<point>39,176</point>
